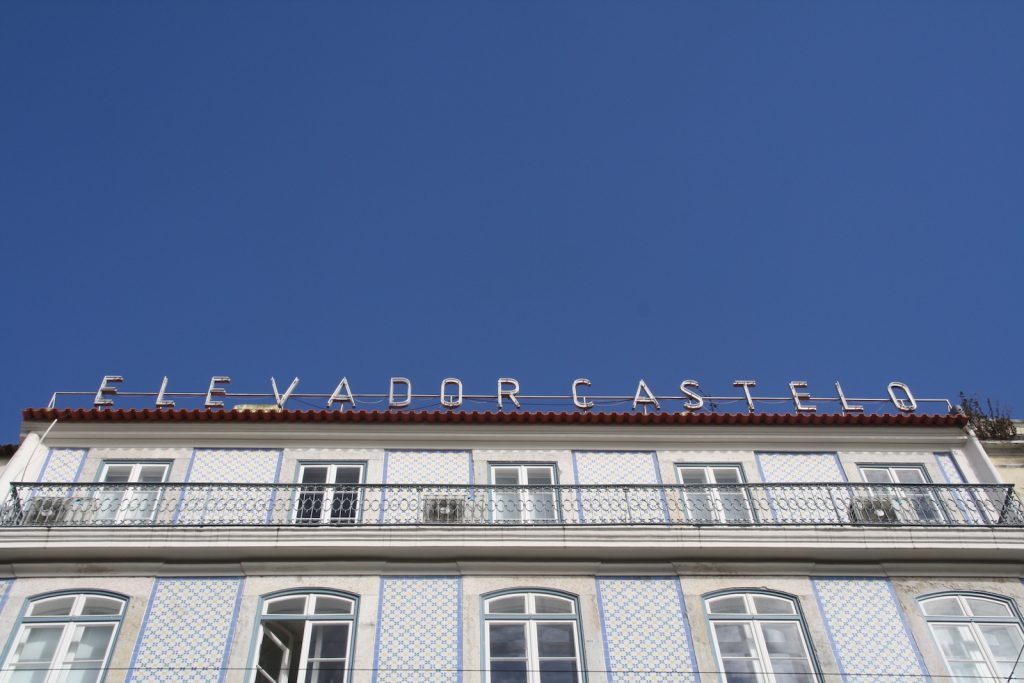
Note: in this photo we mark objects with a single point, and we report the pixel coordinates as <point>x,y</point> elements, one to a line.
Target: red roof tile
<point>457,417</point>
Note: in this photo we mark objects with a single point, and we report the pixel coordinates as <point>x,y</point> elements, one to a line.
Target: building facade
<point>389,547</point>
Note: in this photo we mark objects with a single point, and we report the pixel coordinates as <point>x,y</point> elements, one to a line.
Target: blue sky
<point>542,190</point>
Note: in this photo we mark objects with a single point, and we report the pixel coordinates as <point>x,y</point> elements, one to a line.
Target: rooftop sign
<point>508,395</point>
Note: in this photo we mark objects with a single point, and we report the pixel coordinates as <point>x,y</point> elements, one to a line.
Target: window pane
<point>1004,640</point>
<point>118,474</point>
<point>944,607</point>
<point>970,671</point>
<point>53,607</point>
<point>326,672</point>
<point>555,640</point>
<point>326,604</point>
<point>90,643</point>
<point>348,475</point>
<point>768,605</point>
<point>910,475</point>
<point>152,474</point>
<point>507,640</point>
<point>30,676</point>
<point>514,604</point>
<point>548,604</point>
<point>877,476</point>
<point>506,476</point>
<point>100,606</point>
<point>792,671</point>
<point>542,505</point>
<point>987,608</point>
<point>314,475</point>
<point>694,475</point>
<point>782,639</point>
<point>508,672</point>
<point>83,673</point>
<point>726,475</point>
<point>328,641</point>
<point>957,641</point>
<point>539,476</point>
<point>740,671</point>
<point>734,604</point>
<point>293,605</point>
<point>271,658</point>
<point>558,671</point>
<point>39,644</point>
<point>734,640</point>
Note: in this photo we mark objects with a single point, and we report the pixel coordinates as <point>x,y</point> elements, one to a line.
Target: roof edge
<point>458,417</point>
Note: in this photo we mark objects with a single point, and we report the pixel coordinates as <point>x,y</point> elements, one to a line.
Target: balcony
<point>305,505</point>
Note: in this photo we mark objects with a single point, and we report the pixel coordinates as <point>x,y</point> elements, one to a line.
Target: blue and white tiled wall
<point>428,628</point>
<point>646,630</point>
<point>187,631</point>
<point>461,467</point>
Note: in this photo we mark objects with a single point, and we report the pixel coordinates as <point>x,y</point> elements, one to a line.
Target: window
<point>305,638</point>
<point>513,502</point>
<point>980,636</point>
<point>760,638</point>
<point>532,638</point>
<point>714,493</point>
<point>134,499</point>
<point>916,503</point>
<point>64,638</point>
<point>330,494</point>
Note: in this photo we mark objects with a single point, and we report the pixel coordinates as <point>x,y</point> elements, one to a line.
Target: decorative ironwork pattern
<point>206,504</point>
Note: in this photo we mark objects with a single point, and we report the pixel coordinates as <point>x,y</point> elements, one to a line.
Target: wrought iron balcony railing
<point>198,504</point>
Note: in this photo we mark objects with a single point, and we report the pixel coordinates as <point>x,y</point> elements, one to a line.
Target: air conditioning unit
<point>874,510</point>
<point>46,510</point>
<point>444,509</point>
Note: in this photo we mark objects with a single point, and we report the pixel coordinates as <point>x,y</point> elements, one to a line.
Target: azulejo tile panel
<point>63,464</point>
<point>231,466</point>
<point>646,633</point>
<point>5,589</point>
<point>413,468</point>
<point>867,629</point>
<point>799,468</point>
<point>628,468</point>
<point>419,636</point>
<point>187,631</point>
<point>812,504</point>
<point>949,469</point>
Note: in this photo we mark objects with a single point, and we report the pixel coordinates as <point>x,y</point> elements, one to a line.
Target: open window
<point>64,638</point>
<point>305,638</point>
<point>330,494</point>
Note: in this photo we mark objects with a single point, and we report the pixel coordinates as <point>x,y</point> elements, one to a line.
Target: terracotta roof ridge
<point>484,417</point>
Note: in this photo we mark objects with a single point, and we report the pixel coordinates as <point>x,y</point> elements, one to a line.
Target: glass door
<point>134,499</point>
<point>513,502</point>
<point>330,494</point>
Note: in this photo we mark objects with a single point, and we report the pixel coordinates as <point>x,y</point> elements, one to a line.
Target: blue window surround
<point>354,618</point>
<point>23,620</point>
<point>491,464</point>
<point>799,616</point>
<point>1004,599</point>
<point>577,617</point>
